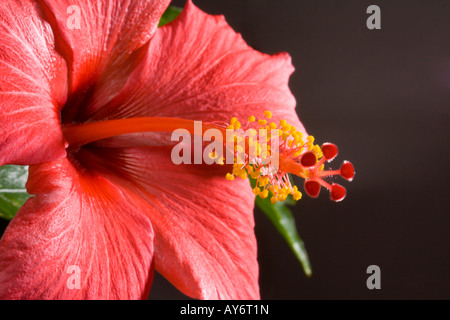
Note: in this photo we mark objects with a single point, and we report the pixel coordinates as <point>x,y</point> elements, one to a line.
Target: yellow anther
<point>229,177</point>
<point>318,151</point>
<point>263,181</point>
<point>252,132</point>
<point>239,171</point>
<point>264,194</point>
<point>262,122</point>
<point>290,142</point>
<point>282,197</point>
<point>255,174</point>
<point>297,195</point>
<point>298,139</point>
<point>268,185</point>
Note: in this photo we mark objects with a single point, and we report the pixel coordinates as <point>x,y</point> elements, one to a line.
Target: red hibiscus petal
<point>102,53</point>
<point>198,68</point>
<point>78,226</point>
<point>32,87</point>
<point>204,227</point>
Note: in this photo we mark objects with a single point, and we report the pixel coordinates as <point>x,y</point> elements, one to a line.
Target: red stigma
<point>308,159</point>
<point>347,171</point>
<point>315,174</point>
<point>329,150</point>
<point>337,192</point>
<point>312,188</point>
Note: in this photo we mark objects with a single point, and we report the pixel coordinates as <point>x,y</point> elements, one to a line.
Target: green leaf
<point>12,190</point>
<point>169,15</point>
<point>283,220</point>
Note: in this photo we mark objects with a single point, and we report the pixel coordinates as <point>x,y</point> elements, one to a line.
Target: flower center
<point>296,154</point>
<point>263,150</point>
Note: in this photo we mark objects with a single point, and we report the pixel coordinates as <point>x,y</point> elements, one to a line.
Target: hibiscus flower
<point>90,111</point>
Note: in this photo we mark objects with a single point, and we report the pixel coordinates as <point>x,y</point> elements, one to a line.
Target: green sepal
<point>12,190</point>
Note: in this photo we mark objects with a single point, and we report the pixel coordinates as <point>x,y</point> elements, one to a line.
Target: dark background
<point>383,96</point>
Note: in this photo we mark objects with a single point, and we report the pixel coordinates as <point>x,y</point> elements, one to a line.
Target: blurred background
<point>383,96</point>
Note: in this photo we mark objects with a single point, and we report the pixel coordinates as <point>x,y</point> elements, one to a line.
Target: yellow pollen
<point>290,142</point>
<point>229,177</point>
<point>262,122</point>
<point>318,151</point>
<point>264,194</point>
<point>271,184</point>
<point>263,181</point>
<point>297,195</point>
